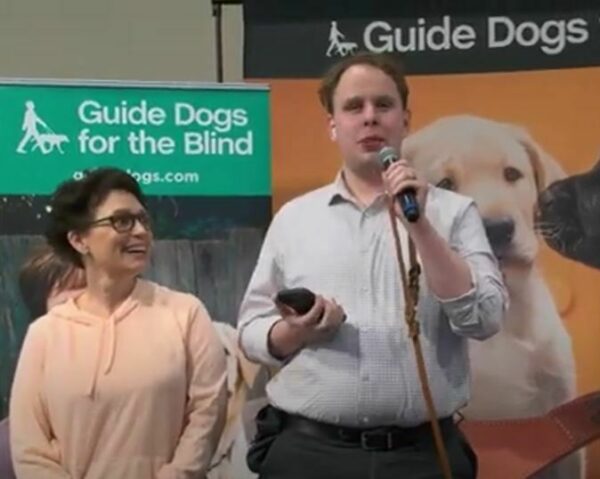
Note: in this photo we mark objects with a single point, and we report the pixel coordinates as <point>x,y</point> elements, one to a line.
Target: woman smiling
<point>127,379</point>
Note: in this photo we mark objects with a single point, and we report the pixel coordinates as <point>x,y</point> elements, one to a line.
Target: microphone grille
<point>387,155</point>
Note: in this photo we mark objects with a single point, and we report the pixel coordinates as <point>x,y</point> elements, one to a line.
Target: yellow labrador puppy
<point>528,367</point>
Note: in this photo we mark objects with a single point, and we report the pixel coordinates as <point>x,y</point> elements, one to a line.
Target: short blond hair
<point>43,273</point>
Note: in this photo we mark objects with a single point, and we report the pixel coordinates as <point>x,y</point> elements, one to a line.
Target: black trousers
<point>282,452</point>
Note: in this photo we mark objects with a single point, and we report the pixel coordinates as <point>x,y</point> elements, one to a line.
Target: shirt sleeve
<point>35,452</point>
<point>478,313</point>
<point>206,402</point>
<point>258,312</point>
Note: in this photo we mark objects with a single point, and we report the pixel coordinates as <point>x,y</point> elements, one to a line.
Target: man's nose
<point>370,114</point>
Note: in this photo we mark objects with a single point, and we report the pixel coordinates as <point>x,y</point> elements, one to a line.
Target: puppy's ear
<point>545,168</point>
<point>411,144</point>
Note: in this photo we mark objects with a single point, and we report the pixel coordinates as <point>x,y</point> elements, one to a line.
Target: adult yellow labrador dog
<point>528,367</point>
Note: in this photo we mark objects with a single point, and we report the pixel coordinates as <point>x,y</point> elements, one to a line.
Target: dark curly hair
<point>74,203</point>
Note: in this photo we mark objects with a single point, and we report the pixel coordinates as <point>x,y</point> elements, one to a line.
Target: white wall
<point>117,39</point>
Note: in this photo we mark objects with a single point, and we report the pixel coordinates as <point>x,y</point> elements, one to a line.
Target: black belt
<point>383,438</point>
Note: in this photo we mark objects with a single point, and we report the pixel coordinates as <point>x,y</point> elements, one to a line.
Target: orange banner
<point>556,116</point>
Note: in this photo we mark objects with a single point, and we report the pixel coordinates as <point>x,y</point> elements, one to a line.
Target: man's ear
<point>332,129</point>
<point>407,118</point>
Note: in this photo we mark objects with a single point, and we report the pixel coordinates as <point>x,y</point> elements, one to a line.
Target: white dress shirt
<point>366,375</point>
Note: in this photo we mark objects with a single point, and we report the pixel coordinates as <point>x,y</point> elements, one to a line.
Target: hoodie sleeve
<point>35,452</point>
<point>207,401</point>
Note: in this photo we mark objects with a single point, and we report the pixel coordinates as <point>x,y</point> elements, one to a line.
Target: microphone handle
<point>408,203</point>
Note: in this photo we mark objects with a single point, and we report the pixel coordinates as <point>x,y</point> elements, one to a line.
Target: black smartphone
<point>299,299</point>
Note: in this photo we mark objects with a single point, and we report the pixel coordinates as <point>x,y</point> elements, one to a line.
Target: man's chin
<point>371,153</point>
<point>368,159</point>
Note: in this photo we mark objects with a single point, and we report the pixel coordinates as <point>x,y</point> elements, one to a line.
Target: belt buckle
<point>367,443</point>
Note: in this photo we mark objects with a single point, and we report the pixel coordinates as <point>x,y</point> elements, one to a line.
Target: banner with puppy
<point>504,109</point>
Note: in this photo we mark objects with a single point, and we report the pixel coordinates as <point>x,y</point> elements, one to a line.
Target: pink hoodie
<point>138,395</point>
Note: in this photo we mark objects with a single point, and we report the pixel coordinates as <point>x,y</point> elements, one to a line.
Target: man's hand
<point>401,176</point>
<point>294,331</point>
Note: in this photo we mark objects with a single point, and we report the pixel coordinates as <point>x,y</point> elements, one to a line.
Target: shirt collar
<point>339,193</point>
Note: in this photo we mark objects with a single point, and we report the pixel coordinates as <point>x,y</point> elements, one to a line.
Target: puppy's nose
<point>500,232</point>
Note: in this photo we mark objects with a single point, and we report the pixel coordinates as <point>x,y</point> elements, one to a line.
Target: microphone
<point>407,198</point>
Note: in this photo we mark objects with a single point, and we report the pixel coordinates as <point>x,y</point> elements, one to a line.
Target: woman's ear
<point>77,242</point>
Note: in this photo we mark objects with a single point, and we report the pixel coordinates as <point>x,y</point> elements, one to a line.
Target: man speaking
<point>347,401</point>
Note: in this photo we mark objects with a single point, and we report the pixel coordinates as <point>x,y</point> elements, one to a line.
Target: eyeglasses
<point>124,222</point>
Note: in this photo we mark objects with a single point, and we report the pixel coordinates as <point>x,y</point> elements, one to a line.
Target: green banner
<point>190,139</point>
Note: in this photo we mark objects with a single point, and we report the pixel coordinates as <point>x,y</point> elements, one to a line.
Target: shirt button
<point>365,420</point>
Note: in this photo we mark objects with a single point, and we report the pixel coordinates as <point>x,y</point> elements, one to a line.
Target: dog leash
<point>410,287</point>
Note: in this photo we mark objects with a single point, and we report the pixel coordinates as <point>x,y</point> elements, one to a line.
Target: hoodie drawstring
<point>94,377</point>
<point>111,345</point>
<point>109,356</point>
